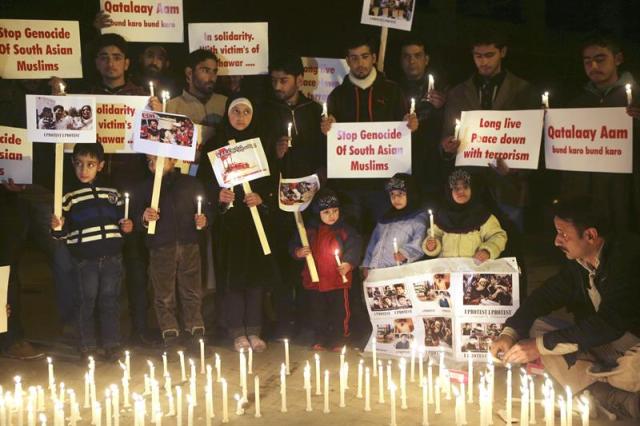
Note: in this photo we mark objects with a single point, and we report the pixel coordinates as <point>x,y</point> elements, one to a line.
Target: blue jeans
<point>99,289</point>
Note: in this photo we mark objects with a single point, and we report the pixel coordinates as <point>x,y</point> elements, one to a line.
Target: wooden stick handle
<point>384,33</point>
<point>155,195</point>
<point>258,222</point>
<point>57,189</point>
<point>311,264</point>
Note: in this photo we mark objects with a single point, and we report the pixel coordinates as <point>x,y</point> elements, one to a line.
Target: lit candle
<point>545,100</point>
<point>283,388</point>
<point>456,410</point>
<point>126,205</point>
<point>190,405</point>
<point>289,126</point>
<point>437,391</point>
<point>152,92</point>
<point>152,370</point>
<point>199,211</point>
<point>584,410</point>
<point>430,380</point>
<point>127,363</point>
<point>509,394</point>
<point>392,402</point>
<point>125,393</point>
<point>326,392</point>
<point>307,386</point>
<point>61,87</point>
<point>172,407</point>
<point>412,373</point>
<point>225,401</point>
<point>239,409</point>
<point>52,379</point>
<point>43,419</point>
<point>532,401</point>
<point>107,407</point>
<point>325,111</point>
<point>256,386</point>
<point>165,367</point>
<point>470,377</point>
<point>318,385</point>
<point>183,370</point>
<point>627,88</point>
<point>115,398</point>
<point>395,249</point>
<point>421,362</point>
<point>412,110</point>
<point>456,132</point>
<point>178,406</point>
<point>431,228</point>
<point>432,83</point>
<point>218,368</point>
<point>342,387</point>
<point>524,404</point>
<point>286,356</point>
<point>569,406</point>
<point>367,389</point>
<point>374,361</point>
<point>403,384</point>
<point>98,421</point>
<point>563,411</point>
<point>336,253</point>
<point>342,354</point>
<point>380,384</point>
<point>425,401</point>
<point>165,98</point>
<point>147,385</point>
<point>360,373</point>
<point>250,357</point>
<point>243,374</point>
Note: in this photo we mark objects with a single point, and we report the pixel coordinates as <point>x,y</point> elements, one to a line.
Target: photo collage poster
<point>450,305</point>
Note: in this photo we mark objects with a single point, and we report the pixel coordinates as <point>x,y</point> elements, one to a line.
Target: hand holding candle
<point>337,256</point>
<point>325,111</point>
<point>456,132</point>
<point>432,84</point>
<point>200,218</point>
<point>545,100</point>
<point>289,126</point>
<point>412,110</point>
<point>627,88</point>
<point>152,92</point>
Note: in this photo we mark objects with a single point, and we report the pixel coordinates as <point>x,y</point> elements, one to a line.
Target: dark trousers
<point>243,311</point>
<point>330,313</point>
<point>136,261</point>
<point>171,268</point>
<point>99,290</point>
<point>14,325</point>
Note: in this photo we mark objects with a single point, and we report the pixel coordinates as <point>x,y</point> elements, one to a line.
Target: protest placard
<point>4,286</point>
<point>242,47</point>
<point>321,76</point>
<point>16,155</point>
<point>450,305</point>
<point>61,119</point>
<point>589,140</point>
<point>203,133</point>
<point>240,162</point>
<point>368,150</point>
<point>390,14</point>
<point>145,20</point>
<point>39,49</point>
<point>486,136</point>
<point>165,135</point>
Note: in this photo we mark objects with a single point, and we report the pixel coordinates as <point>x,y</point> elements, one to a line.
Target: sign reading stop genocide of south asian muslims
<point>39,49</point>
<point>589,140</point>
<point>242,48</point>
<point>16,158</point>
<point>145,20</point>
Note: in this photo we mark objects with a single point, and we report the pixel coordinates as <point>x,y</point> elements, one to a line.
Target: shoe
<point>172,344</point>
<point>257,344</point>
<point>22,350</point>
<point>318,347</point>
<point>112,354</point>
<point>192,342</point>
<point>241,343</point>
<point>141,340</point>
<point>617,401</point>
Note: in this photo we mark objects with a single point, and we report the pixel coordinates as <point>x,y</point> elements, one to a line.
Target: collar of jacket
<point>114,90</point>
<point>494,81</point>
<point>302,102</point>
<point>364,83</point>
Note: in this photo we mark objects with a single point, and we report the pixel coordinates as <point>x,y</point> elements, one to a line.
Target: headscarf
<point>252,130</point>
<point>405,183</point>
<point>461,218</point>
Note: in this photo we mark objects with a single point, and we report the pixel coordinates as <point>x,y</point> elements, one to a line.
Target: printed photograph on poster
<point>242,162</point>
<point>61,118</point>
<point>397,333</point>
<point>438,332</point>
<point>478,336</point>
<point>487,289</point>
<point>297,194</point>
<point>396,14</point>
<point>164,134</point>
<point>434,290</point>
<point>388,298</point>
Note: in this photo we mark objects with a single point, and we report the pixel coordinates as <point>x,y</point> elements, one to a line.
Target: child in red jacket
<point>329,298</point>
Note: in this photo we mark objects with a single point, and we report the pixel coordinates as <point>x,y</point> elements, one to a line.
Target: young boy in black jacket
<point>92,225</point>
<point>174,254</point>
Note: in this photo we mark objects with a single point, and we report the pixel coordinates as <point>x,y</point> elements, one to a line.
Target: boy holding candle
<point>92,226</point>
<point>174,254</point>
<point>330,240</point>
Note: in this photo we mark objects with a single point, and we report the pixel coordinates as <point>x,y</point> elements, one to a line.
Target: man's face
<point>285,86</point>
<point>414,61</point>
<point>574,244</point>
<point>361,61</point>
<point>203,77</point>
<point>601,65</point>
<point>111,63</point>
<point>86,167</point>
<point>59,112</point>
<point>153,124</point>
<point>488,59</point>
<point>169,164</point>
<point>154,61</point>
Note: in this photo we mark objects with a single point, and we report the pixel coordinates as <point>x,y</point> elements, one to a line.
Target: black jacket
<point>616,280</point>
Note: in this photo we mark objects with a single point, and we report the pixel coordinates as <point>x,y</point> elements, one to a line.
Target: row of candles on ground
<point>447,383</point>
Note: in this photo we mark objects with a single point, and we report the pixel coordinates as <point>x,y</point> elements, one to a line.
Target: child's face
<point>169,164</point>
<point>398,199</point>
<point>461,193</point>
<point>240,116</point>
<point>330,216</point>
<point>86,167</point>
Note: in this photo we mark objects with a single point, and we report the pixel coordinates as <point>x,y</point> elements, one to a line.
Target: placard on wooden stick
<point>155,194</point>
<point>304,239</point>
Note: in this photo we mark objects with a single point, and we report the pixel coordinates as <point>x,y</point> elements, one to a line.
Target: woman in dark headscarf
<point>242,269</point>
<point>463,226</point>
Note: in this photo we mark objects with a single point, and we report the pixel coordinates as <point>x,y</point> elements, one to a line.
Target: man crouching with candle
<point>600,350</point>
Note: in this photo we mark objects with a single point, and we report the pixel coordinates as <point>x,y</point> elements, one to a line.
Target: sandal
<point>241,343</point>
<point>257,344</point>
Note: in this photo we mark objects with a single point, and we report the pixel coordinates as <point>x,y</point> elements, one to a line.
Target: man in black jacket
<point>599,286</point>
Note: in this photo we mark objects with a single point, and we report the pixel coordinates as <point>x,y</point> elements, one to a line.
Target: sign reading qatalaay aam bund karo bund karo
<point>368,150</point>
<point>16,155</point>
<point>146,20</point>
<point>39,49</point>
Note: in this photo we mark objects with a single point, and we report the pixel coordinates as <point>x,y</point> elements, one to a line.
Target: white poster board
<point>61,119</point>
<point>295,195</point>
<point>368,150</point>
<point>514,136</point>
<point>589,140</point>
<point>39,49</point>
<point>148,21</point>
<point>165,135</point>
<point>450,305</point>
<point>242,48</point>
<point>321,76</point>
<point>238,163</point>
<point>392,14</point>
<point>16,155</point>
<point>4,287</point>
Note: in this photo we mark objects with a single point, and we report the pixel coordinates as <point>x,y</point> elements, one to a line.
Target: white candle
<point>524,405</point>
<point>307,386</point>
<point>430,380</point>
<point>584,410</point>
<point>125,393</point>
<point>470,377</point>
<point>432,83</point>
<point>425,401</point>
<point>380,384</point>
<point>412,110</point>
<point>115,398</point>
<point>509,394</point>
<point>243,373</point>
<point>239,409</point>
<point>431,228</point>
<point>178,406</point>
<point>209,404</point>
<point>395,249</point>
<point>456,133</point>
<point>403,384</point>
<point>318,384</point>
<point>374,361</point>
<point>152,370</point>
<point>225,401</point>
<point>147,385</point>
<point>326,392</point>
<point>627,88</point>
<point>325,111</point>
<point>107,408</point>
<point>412,372</point>
<point>545,100</point>
<point>52,379</point>
<point>165,98</point>
<point>342,388</point>
<point>342,354</point>
<point>283,388</point>
<point>250,368</point>
<point>336,253</point>
<point>532,401</point>
<point>152,92</point>
<point>360,373</point>
<point>437,391</point>
<point>367,389</point>
<point>190,405</point>
<point>256,386</point>
<point>127,363</point>
<point>126,205</point>
<point>98,421</point>
<point>199,211</point>
<point>563,411</point>
<point>61,86</point>
<point>183,369</point>
<point>421,362</point>
<point>456,410</point>
<point>392,402</point>
<point>289,126</point>
<point>569,406</point>
<point>286,356</point>
<point>218,368</point>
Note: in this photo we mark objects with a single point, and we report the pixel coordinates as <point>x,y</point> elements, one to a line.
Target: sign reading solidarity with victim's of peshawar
<point>145,20</point>
<point>39,49</point>
<point>368,150</point>
<point>513,136</point>
<point>16,159</point>
<point>589,140</point>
